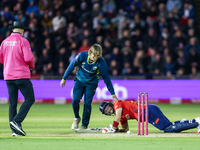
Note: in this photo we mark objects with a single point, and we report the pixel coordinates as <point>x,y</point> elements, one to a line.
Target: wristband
<point>115,124</point>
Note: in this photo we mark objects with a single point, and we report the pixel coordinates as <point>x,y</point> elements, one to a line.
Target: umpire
<point>17,58</point>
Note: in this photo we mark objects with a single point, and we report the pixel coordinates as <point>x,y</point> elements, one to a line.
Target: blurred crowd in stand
<point>148,38</point>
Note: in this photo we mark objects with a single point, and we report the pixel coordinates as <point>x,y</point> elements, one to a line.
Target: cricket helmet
<point>103,105</point>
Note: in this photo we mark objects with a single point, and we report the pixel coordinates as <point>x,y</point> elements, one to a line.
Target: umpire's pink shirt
<point>16,56</point>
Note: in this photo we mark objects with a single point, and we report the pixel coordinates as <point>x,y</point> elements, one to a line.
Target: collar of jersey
<point>89,61</point>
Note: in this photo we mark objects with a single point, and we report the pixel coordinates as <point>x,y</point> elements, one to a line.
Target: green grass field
<point>48,127</point>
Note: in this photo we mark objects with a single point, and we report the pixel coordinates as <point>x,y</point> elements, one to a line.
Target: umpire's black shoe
<point>17,127</point>
<point>15,134</point>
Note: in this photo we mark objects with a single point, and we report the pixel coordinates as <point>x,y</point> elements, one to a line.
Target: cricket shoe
<point>197,120</point>
<point>83,127</point>
<point>14,125</point>
<point>75,123</point>
<point>15,134</point>
<point>198,129</point>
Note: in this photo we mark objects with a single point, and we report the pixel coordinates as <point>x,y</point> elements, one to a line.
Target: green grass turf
<point>48,126</point>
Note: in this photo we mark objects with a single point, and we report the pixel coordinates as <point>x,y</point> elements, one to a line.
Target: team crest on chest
<point>95,68</point>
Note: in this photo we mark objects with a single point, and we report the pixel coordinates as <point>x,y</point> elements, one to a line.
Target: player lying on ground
<point>126,110</point>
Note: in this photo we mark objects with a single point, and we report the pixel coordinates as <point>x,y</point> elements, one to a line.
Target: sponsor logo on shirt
<point>11,43</point>
<point>87,70</point>
<point>127,116</point>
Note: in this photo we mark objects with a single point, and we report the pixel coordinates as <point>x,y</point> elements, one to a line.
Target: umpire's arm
<point>1,54</point>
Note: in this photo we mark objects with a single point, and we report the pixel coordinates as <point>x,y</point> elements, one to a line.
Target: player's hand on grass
<point>115,97</point>
<point>62,83</point>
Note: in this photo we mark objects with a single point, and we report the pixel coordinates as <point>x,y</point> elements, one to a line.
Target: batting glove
<point>108,130</point>
<point>116,130</point>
